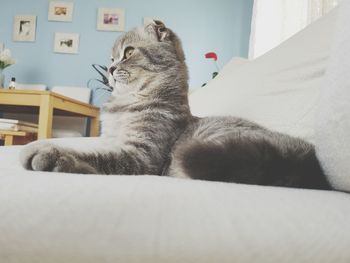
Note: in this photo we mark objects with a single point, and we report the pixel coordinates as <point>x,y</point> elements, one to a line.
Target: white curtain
<point>276,20</point>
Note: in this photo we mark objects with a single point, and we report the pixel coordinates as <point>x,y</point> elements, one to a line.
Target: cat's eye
<point>128,52</point>
<point>112,59</point>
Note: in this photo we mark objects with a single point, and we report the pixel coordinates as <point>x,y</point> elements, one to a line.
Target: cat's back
<point>211,128</point>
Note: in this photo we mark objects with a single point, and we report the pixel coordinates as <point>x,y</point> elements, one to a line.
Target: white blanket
<point>55,218</point>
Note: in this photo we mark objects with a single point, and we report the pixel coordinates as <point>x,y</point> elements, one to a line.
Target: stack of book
<point>16,125</point>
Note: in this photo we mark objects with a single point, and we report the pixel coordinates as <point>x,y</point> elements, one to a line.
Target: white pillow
<point>333,122</point>
<point>279,90</point>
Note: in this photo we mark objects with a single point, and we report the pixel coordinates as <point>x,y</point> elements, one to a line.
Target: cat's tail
<point>251,162</point>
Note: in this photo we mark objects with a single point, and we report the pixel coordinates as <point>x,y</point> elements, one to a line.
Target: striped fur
<point>147,128</point>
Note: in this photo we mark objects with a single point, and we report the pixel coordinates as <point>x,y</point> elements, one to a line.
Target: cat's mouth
<point>121,76</point>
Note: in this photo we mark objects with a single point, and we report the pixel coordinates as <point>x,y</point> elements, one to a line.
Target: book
<point>18,122</point>
<point>16,125</point>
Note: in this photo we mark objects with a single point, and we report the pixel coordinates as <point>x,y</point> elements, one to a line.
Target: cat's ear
<point>161,30</point>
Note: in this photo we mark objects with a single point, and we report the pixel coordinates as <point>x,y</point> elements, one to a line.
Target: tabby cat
<point>147,128</point>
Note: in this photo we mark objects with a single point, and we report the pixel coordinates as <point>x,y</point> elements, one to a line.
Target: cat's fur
<point>150,130</point>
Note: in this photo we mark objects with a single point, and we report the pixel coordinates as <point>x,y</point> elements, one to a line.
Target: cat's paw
<point>43,156</point>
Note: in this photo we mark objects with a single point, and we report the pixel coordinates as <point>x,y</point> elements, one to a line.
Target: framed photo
<point>66,43</point>
<point>60,11</point>
<point>111,19</point>
<point>24,28</point>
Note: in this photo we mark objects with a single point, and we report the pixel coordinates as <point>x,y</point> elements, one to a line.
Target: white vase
<point>2,79</point>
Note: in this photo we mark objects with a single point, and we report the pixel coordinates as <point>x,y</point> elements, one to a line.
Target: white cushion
<point>70,126</point>
<point>333,123</point>
<point>279,90</point>
<point>68,132</point>
<point>79,93</point>
<point>235,63</point>
<point>23,86</point>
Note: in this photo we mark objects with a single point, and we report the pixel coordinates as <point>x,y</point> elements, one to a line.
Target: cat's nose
<point>112,69</point>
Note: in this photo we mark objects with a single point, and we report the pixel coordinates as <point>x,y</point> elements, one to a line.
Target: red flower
<point>211,55</point>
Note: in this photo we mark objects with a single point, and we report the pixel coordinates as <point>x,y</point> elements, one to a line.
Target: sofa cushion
<point>333,122</point>
<point>280,89</point>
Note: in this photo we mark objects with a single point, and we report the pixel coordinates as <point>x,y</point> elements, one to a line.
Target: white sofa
<point>55,218</point>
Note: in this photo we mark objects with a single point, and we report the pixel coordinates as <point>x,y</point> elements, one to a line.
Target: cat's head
<point>146,57</point>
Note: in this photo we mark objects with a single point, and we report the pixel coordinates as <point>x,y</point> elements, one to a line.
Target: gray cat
<point>148,128</point>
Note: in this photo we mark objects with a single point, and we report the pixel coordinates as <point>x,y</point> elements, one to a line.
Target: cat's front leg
<point>44,156</point>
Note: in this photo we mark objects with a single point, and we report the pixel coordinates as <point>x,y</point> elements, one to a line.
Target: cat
<point>147,128</point>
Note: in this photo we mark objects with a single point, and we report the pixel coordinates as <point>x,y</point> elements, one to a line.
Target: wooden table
<point>47,104</point>
<point>17,137</point>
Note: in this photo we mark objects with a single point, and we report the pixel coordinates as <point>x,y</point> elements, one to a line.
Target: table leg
<point>45,117</point>
<point>95,126</point>
<point>8,140</point>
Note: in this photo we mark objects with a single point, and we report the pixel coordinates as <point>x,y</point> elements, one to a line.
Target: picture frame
<point>67,43</point>
<point>60,11</point>
<point>24,28</point>
<point>111,19</point>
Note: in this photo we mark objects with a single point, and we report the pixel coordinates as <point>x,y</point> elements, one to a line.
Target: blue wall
<point>222,26</point>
